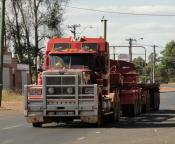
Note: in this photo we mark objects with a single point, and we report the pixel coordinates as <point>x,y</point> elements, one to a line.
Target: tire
<point>125,109</point>
<point>36,125</point>
<point>116,116</point>
<point>140,106</point>
<point>132,110</point>
<point>157,101</point>
<point>144,108</point>
<point>157,107</point>
<point>148,106</point>
<point>100,112</point>
<point>135,109</point>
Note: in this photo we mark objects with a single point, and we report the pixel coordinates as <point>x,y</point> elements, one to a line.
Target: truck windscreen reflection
<point>69,61</point>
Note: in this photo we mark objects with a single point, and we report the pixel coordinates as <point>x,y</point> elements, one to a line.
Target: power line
<point>124,13</point>
<point>147,45</point>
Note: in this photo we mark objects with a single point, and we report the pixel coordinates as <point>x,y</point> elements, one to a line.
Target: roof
<point>52,41</point>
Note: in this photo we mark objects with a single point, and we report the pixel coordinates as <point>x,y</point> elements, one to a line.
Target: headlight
<point>70,90</point>
<point>35,91</point>
<point>51,90</point>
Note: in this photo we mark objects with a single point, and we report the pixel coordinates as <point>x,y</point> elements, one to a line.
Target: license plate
<point>61,113</point>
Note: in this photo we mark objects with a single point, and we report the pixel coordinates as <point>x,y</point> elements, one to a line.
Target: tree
<point>167,60</point>
<point>140,67</point>
<point>25,21</point>
<point>139,64</point>
<point>54,19</point>
<point>162,73</point>
<point>29,18</point>
<point>14,30</point>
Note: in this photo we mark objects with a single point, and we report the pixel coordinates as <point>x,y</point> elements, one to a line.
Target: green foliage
<point>166,67</point>
<point>30,22</point>
<point>139,64</point>
<point>162,73</point>
<point>54,19</point>
<point>148,71</point>
<point>140,67</point>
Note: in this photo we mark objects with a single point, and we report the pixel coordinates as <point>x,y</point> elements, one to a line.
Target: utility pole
<point>105,27</point>
<point>135,46</point>
<point>130,48</point>
<point>114,52</point>
<point>73,29</point>
<point>2,31</point>
<point>154,62</point>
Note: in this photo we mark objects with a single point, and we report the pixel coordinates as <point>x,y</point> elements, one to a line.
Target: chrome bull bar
<point>64,104</point>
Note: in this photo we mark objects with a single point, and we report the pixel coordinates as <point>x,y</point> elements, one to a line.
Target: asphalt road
<point>157,128</point>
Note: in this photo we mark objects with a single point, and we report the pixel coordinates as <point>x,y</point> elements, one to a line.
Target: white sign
<point>23,67</point>
<point>124,57</point>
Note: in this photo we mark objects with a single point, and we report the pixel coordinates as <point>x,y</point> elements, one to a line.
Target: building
<point>124,57</point>
<point>15,75</point>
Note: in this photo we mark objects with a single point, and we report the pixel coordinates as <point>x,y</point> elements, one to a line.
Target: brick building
<point>15,75</point>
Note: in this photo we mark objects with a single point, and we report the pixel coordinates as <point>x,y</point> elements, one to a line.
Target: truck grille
<point>61,86</point>
<point>60,80</point>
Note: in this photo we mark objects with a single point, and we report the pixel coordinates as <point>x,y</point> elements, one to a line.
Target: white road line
<point>7,142</point>
<point>11,127</point>
<point>81,138</point>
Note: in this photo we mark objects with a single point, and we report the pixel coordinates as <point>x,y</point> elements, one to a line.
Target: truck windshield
<point>69,61</point>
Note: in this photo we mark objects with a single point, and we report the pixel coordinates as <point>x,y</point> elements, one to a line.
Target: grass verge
<point>12,101</point>
<point>9,96</point>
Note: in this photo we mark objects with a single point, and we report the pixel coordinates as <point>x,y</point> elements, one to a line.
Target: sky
<point>154,30</point>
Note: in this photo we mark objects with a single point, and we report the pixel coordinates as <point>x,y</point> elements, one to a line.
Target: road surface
<point>152,128</point>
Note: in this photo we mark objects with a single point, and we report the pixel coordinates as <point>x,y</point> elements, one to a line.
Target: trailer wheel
<point>116,109</point>
<point>132,110</point>
<point>139,107</point>
<point>157,107</point>
<point>157,101</point>
<point>117,113</point>
<point>38,124</point>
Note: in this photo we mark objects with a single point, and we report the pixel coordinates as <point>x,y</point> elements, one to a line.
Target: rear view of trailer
<point>135,98</point>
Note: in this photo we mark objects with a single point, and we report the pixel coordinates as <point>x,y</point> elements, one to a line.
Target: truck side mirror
<point>40,70</point>
<point>100,82</point>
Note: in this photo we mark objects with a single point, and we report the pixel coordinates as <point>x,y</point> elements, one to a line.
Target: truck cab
<point>73,84</point>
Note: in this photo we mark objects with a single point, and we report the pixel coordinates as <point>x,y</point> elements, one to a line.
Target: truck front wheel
<point>100,112</point>
<point>38,124</point>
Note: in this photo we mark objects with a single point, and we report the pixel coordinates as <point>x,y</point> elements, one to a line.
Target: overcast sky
<point>154,30</point>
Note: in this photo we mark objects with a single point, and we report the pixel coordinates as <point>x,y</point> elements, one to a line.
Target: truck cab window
<point>61,46</point>
<point>90,46</point>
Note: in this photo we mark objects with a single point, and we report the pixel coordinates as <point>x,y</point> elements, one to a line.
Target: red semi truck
<point>79,81</point>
